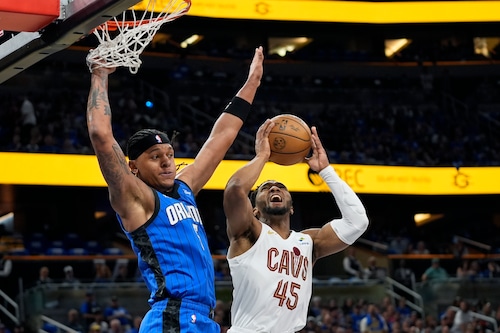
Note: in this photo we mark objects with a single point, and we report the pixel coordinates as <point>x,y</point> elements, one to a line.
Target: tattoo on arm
<point>107,110</point>
<point>114,166</point>
<point>99,95</point>
<point>93,99</point>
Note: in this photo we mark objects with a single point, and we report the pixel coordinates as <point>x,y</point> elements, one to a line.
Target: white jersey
<point>272,284</point>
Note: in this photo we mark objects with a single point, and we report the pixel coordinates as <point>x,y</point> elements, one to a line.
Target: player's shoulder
<point>311,232</point>
<point>302,237</point>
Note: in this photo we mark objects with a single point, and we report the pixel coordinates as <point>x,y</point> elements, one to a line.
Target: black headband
<point>138,147</point>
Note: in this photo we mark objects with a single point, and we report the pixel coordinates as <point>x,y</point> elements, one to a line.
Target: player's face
<point>273,198</point>
<point>156,167</point>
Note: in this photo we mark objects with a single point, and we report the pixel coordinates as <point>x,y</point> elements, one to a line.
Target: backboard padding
<point>23,49</point>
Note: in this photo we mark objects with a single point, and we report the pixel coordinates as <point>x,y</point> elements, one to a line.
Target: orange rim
<point>113,25</point>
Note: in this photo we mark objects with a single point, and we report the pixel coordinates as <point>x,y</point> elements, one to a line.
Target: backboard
<point>54,30</point>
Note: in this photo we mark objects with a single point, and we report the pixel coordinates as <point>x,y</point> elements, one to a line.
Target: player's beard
<point>276,210</point>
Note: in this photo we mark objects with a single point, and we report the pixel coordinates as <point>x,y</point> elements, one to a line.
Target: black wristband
<point>238,107</point>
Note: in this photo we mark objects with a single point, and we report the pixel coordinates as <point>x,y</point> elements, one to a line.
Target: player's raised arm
<point>225,129</point>
<point>339,233</point>
<point>237,205</point>
<point>129,197</point>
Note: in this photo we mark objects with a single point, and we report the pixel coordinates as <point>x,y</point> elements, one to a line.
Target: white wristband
<point>354,221</point>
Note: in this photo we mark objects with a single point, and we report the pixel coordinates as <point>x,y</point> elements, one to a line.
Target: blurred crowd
<point>428,120</point>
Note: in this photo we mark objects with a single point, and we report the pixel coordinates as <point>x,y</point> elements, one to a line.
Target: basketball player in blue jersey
<point>156,206</point>
<point>271,265</point>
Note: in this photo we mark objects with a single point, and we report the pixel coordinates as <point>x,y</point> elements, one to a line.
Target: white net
<point>132,36</point>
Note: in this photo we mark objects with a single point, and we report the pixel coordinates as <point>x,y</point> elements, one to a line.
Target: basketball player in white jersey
<point>271,265</point>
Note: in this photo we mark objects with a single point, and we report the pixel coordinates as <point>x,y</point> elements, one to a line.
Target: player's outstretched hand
<point>99,66</point>
<point>262,146</point>
<point>100,70</point>
<point>256,67</point>
<point>319,158</point>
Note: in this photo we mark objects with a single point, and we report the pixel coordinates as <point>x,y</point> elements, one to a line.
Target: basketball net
<point>133,35</point>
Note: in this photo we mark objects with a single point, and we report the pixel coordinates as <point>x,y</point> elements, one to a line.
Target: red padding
<point>28,15</point>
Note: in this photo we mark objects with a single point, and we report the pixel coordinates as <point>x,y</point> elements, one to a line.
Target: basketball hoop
<point>132,35</point>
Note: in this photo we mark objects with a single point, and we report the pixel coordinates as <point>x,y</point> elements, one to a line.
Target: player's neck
<point>281,227</point>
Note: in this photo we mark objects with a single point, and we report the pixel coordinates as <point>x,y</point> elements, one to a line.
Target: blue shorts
<point>179,316</point>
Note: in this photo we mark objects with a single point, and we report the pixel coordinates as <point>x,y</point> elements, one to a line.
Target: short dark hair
<point>253,195</point>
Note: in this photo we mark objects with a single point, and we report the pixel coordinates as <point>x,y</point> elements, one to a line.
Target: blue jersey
<point>172,249</point>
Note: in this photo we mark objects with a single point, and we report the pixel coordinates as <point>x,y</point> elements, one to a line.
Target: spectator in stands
<point>497,315</point>
<point>403,309</point>
<point>446,321</point>
<point>115,326</point>
<point>487,309</point>
<point>421,248</point>
<point>406,325</point>
<point>372,271</point>
<point>463,270</point>
<point>96,328</point>
<point>391,315</point>
<point>373,322</point>
<point>396,327</point>
<point>136,324</point>
<point>430,322</point>
<point>384,303</point>
<point>459,249</point>
<point>352,266</point>
<point>15,143</point>
<point>49,144</point>
<point>116,311</point>
<point>404,274</point>
<point>398,245</point>
<point>90,309</point>
<point>316,306</point>
<point>356,315</point>
<point>35,139</point>
<point>221,270</point>
<point>120,273</point>
<point>100,321</point>
<point>221,315</point>
<point>43,277</point>
<point>469,270</point>
<point>28,120</point>
<point>74,320</point>
<point>311,325</point>
<point>434,272</point>
<point>475,269</point>
<point>492,270</point>
<point>5,266</point>
<point>69,276</point>
<point>419,325</point>
<point>102,272</point>
<point>463,317</point>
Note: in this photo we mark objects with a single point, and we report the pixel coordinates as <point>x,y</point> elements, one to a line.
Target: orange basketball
<point>290,140</point>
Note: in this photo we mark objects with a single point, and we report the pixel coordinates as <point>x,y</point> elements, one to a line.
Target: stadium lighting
<point>191,41</point>
<point>393,46</point>
<point>424,218</point>
<point>7,222</point>
<point>485,45</point>
<point>282,46</point>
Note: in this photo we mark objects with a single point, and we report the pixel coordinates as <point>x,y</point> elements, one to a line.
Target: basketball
<point>290,140</point>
